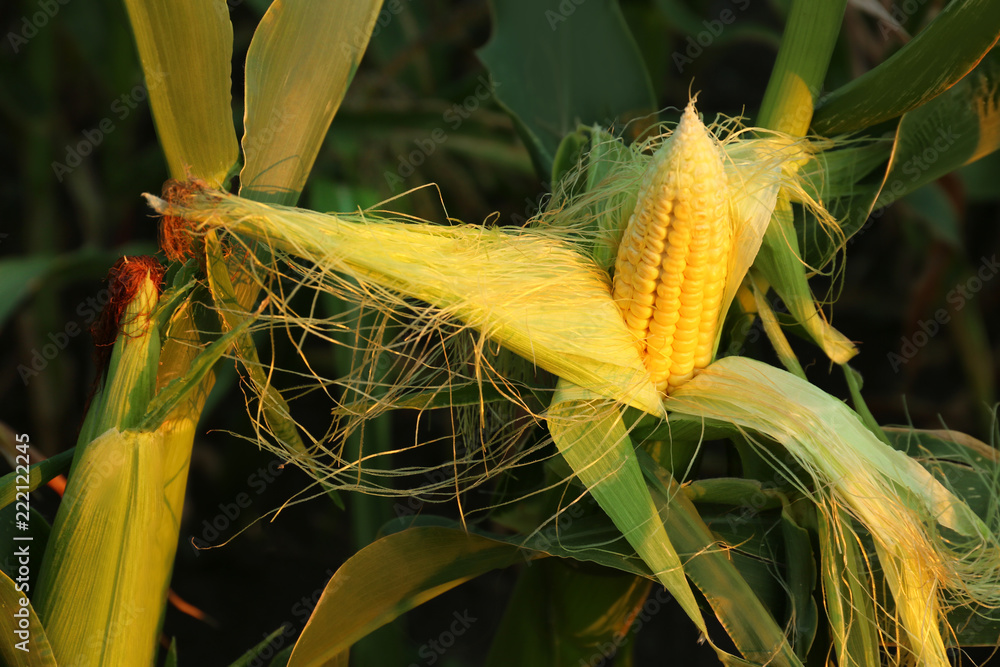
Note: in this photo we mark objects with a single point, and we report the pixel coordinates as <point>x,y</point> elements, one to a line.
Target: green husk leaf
<point>300,62</point>
<point>897,500</point>
<point>779,263</point>
<point>130,382</point>
<point>179,392</point>
<point>592,438</point>
<point>773,331</point>
<point>193,113</point>
<point>749,622</point>
<point>849,609</point>
<point>276,414</point>
<point>104,577</point>
<point>535,293</point>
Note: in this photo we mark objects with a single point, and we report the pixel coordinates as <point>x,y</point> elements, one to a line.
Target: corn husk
<point>906,509</point>
<point>104,576</point>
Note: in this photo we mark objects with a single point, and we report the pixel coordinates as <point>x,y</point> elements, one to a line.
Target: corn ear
<point>103,580</point>
<point>98,595</point>
<point>121,400</point>
<point>670,273</point>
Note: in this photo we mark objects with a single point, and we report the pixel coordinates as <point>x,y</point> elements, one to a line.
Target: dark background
<point>78,73</point>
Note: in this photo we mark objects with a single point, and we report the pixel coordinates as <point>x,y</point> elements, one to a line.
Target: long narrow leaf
<point>933,61</point>
<point>186,47</point>
<point>591,436</point>
<point>748,622</point>
<point>299,65</point>
<point>391,576</point>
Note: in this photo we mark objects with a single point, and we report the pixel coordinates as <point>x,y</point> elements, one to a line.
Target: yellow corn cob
<point>670,273</point>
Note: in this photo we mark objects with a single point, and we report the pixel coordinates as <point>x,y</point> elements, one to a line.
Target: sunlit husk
<point>901,504</point>
<point>98,595</point>
<point>121,400</point>
<point>103,582</point>
<point>533,293</point>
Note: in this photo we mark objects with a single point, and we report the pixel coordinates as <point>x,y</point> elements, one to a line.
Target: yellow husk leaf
<point>99,596</point>
<point>533,293</point>
<point>900,503</point>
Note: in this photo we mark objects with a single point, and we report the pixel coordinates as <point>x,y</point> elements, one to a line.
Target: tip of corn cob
<point>672,264</point>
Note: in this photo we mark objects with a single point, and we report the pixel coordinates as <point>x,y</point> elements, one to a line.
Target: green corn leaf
<point>301,60</point>
<point>556,64</point>
<point>804,56</point>
<point>38,474</point>
<point>391,576</point>
<point>592,438</point>
<point>186,47</point>
<point>952,130</point>
<point>929,64</point>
